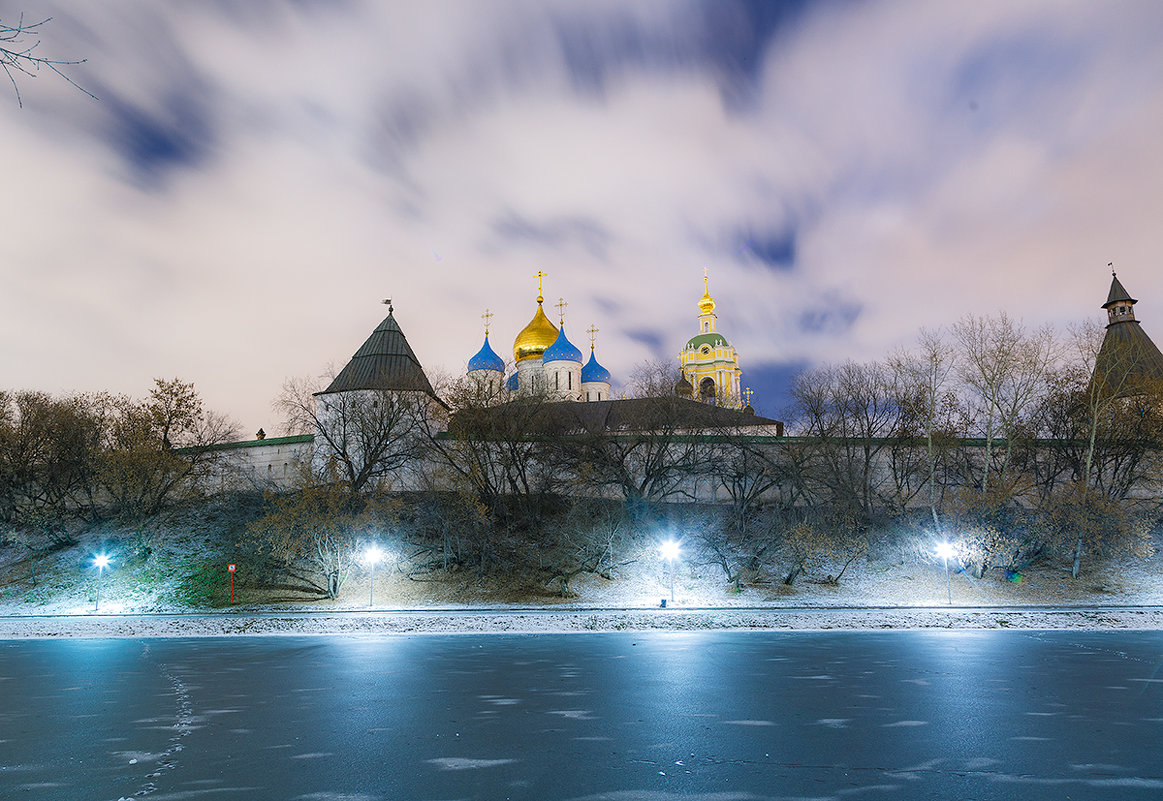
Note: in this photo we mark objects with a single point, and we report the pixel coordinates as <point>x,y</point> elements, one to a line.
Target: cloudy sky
<point>256,176</point>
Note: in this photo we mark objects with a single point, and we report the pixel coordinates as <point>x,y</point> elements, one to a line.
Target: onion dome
<point>512,384</point>
<point>486,359</point>
<point>536,337</point>
<point>684,388</point>
<point>706,302</point>
<point>593,372</point>
<point>562,350</point>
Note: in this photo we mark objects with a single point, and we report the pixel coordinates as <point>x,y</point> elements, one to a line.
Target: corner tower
<point>1128,358</point>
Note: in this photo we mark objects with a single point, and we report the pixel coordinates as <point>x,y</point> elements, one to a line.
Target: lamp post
<point>100,561</point>
<point>945,550</point>
<point>669,551</point>
<point>372,555</point>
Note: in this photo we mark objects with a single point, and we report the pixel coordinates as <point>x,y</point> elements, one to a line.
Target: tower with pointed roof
<point>379,393</point>
<point>709,363</point>
<point>1128,358</point>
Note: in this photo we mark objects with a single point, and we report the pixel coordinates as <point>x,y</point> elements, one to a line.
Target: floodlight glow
<point>373,554</point>
<point>945,550</point>
<point>669,550</point>
<point>100,561</point>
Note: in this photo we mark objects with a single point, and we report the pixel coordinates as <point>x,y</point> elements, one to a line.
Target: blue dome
<point>511,384</point>
<point>486,359</point>
<point>562,350</point>
<point>594,372</point>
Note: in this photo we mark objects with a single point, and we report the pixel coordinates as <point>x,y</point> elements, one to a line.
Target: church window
<point>569,380</point>
<point>556,380</point>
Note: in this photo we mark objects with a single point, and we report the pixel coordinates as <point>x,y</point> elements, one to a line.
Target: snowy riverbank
<point>533,621</point>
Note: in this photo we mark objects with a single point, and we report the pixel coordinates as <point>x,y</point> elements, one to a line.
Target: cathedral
<point>548,363</point>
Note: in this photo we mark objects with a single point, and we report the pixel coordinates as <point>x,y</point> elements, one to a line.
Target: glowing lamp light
<point>669,550</point>
<point>100,561</point>
<point>371,555</point>
<point>945,550</point>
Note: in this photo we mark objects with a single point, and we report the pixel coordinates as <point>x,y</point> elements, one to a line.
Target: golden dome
<point>534,338</point>
<point>706,303</point>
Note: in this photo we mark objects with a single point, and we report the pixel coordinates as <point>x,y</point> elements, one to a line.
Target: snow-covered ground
<point>171,595</point>
<point>540,621</point>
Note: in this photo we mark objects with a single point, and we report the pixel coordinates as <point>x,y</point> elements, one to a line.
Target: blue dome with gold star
<point>562,350</point>
<point>486,359</point>
<point>594,372</point>
<point>512,384</point>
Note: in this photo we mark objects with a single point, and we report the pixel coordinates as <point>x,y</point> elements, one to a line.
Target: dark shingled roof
<point>385,361</point>
<point>1128,357</point>
<point>1117,293</point>
<point>670,413</point>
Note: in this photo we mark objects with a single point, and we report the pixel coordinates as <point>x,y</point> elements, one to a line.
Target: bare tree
<point>1004,367</point>
<point>925,376</point>
<point>852,417</point>
<point>373,435</point>
<point>18,45</point>
<point>158,451</point>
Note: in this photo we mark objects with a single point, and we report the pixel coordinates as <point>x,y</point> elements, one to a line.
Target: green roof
<point>714,340</point>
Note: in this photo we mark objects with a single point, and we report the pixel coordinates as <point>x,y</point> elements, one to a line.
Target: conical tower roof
<point>1117,293</point>
<point>1128,358</point>
<point>385,361</point>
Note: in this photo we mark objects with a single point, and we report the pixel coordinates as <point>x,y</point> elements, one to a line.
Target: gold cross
<point>560,306</point>
<point>747,393</point>
<point>706,272</point>
<point>488,318</point>
<point>540,274</point>
<point>593,332</point>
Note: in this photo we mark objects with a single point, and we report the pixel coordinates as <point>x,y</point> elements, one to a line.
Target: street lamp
<point>670,551</point>
<point>100,561</point>
<point>372,555</point>
<point>945,550</point>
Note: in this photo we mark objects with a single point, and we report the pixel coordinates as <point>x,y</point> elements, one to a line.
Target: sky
<point>253,178</point>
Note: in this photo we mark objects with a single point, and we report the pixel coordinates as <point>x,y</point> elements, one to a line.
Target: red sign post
<point>231,569</point>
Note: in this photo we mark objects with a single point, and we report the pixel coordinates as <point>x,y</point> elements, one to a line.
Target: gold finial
<point>540,274</point>
<point>747,393</point>
<point>593,332</point>
<point>706,274</point>
<point>388,302</point>
<point>488,318</point>
<point>560,306</point>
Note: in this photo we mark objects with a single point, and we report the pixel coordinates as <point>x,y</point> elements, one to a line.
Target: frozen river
<point>721,716</point>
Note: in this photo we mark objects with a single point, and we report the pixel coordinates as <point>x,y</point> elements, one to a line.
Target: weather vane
<point>560,306</point>
<point>388,302</point>
<point>488,318</point>
<point>540,274</point>
<point>1111,264</point>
